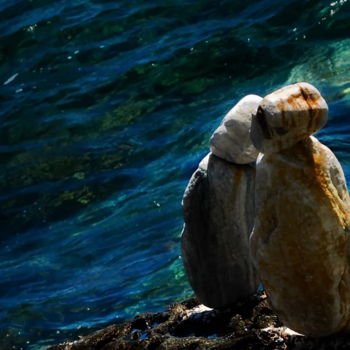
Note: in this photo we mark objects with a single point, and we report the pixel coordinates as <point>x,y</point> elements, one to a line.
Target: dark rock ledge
<point>250,324</point>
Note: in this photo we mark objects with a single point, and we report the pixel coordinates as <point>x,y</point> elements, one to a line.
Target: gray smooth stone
<point>218,207</point>
<point>231,140</point>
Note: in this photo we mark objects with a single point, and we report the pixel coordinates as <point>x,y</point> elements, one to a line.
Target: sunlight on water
<point>107,109</point>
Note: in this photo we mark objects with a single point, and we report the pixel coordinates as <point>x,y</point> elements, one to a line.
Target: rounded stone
<point>288,116</point>
<point>218,207</point>
<point>300,241</point>
<point>231,140</point>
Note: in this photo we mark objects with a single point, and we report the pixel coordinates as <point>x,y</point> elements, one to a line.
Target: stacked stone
<point>300,230</point>
<point>218,207</point>
<point>300,240</point>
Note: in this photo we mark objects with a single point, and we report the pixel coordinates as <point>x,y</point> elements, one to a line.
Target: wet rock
<point>187,325</point>
<point>288,116</point>
<point>218,209</point>
<point>230,141</point>
<point>181,327</point>
<point>300,240</point>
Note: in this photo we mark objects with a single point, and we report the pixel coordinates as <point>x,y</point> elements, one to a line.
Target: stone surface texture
<point>250,324</point>
<point>231,140</point>
<point>185,326</point>
<point>218,207</point>
<point>287,116</point>
<point>300,241</point>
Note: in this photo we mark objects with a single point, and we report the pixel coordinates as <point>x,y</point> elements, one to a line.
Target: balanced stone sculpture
<point>300,240</point>
<point>218,207</point>
<point>231,141</point>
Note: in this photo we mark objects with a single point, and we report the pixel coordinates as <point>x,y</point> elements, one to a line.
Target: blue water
<point>106,110</point>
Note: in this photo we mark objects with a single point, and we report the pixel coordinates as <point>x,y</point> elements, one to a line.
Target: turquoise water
<point>106,110</point>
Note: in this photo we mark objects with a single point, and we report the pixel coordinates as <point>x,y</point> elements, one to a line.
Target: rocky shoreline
<point>249,324</point>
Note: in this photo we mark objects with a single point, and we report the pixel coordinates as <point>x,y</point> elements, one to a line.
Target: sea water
<point>106,110</point>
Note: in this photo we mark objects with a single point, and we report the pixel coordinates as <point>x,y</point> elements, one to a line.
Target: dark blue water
<point>106,110</point>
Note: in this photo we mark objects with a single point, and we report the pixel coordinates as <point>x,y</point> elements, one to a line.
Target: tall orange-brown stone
<point>300,241</point>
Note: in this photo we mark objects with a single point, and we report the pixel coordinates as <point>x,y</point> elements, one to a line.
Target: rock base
<point>250,324</point>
